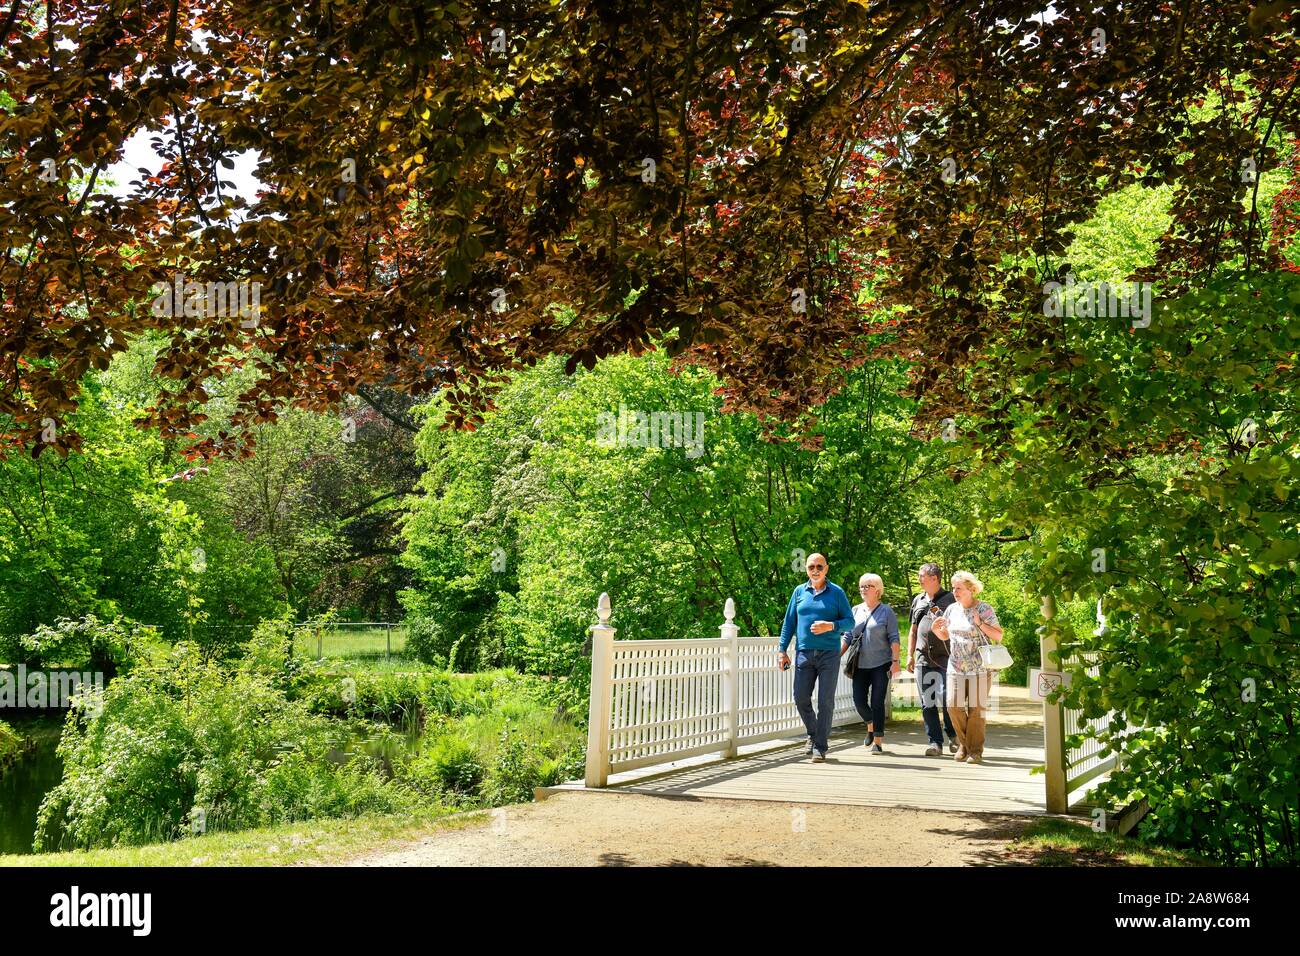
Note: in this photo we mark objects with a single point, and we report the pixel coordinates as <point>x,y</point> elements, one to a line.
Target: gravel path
<point>604,829</point>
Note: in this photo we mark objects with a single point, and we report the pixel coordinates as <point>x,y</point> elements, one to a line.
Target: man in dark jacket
<point>931,655</point>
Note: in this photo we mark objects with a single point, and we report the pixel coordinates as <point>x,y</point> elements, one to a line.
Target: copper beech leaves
<point>893,172</point>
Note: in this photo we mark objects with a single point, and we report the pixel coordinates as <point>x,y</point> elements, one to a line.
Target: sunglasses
<point>816,567</point>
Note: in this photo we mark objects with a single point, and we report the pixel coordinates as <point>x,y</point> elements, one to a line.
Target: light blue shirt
<point>879,634</point>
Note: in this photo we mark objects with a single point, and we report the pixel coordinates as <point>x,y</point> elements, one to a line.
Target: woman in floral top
<point>967,625</point>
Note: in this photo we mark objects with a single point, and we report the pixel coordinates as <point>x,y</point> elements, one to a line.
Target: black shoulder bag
<point>854,651</point>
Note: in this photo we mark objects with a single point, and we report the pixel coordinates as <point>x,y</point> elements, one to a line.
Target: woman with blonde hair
<point>967,625</point>
<point>877,661</point>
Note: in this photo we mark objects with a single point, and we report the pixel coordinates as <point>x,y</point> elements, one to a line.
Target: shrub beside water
<point>184,743</point>
<point>182,736</point>
<point>12,746</point>
<point>449,768</point>
<point>100,645</point>
<point>495,758</point>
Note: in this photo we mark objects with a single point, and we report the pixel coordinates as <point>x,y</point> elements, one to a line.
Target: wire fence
<point>352,640</point>
<point>371,641</point>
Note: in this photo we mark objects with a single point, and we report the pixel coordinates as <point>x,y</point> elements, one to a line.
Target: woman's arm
<point>988,623</point>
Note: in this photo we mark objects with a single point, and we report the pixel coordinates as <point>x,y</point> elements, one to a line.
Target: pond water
<point>24,785</point>
<point>391,747</point>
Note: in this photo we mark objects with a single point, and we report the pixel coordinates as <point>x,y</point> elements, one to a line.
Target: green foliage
<point>451,768</point>
<point>1194,514</point>
<point>524,522</point>
<point>127,526</point>
<point>412,698</point>
<point>269,650</point>
<point>104,646</point>
<point>1121,236</point>
<point>514,774</point>
<point>501,752</point>
<point>428,640</point>
<point>12,746</point>
<point>104,532</point>
<point>181,734</point>
<point>93,533</point>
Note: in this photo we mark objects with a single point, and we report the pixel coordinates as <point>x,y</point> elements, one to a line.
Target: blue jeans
<point>932,685</point>
<point>870,685</point>
<point>823,669</point>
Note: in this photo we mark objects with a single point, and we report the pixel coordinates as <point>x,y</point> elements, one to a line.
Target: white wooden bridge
<point>715,717</point>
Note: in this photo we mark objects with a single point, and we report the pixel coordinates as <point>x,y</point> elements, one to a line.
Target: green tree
<point>1159,475</point>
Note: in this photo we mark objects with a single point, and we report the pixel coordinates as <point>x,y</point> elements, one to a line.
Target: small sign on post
<point>1043,682</point>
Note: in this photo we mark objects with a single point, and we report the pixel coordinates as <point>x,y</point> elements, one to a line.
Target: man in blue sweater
<point>818,612</point>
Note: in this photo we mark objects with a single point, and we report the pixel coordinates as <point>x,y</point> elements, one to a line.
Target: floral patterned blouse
<point>965,639</point>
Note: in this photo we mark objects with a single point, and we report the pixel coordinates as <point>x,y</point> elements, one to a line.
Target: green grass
<point>307,842</point>
<point>1056,842</point>
<point>360,645</point>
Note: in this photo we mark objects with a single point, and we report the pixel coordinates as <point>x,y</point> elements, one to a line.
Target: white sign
<point>1042,683</point>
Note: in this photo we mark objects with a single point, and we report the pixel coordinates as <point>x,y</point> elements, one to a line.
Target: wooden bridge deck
<point>902,777</point>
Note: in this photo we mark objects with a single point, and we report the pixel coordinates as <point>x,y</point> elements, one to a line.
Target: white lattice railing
<point>657,701</point>
<point>1086,760</point>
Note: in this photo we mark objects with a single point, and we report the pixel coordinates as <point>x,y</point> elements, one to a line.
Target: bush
<point>449,767</point>
<point>103,646</point>
<point>498,754</point>
<point>397,698</point>
<point>570,765</point>
<point>12,745</point>
<point>515,772</point>
<point>179,735</point>
<point>269,650</point>
<point>427,641</point>
<point>409,699</point>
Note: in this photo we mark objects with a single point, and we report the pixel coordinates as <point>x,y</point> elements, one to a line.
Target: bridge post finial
<point>601,698</point>
<point>730,635</point>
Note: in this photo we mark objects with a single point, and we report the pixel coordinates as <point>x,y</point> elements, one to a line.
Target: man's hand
<point>894,671</point>
<point>783,660</point>
<point>821,627</point>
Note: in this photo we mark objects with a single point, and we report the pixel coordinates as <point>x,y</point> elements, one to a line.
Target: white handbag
<point>994,657</point>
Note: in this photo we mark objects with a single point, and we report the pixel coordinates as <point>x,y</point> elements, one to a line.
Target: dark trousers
<point>870,685</point>
<point>821,668</point>
<point>932,683</point>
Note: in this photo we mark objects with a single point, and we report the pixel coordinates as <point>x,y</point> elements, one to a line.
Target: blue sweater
<point>806,607</point>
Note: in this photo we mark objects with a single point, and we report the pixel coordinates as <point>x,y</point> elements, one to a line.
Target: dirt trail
<point>603,829</point>
<point>585,828</point>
